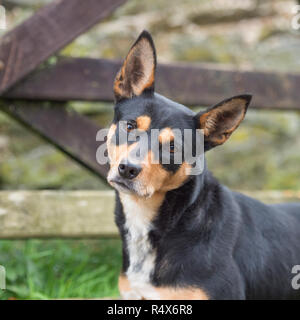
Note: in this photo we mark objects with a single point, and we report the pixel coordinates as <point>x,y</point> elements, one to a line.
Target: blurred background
<point>264,154</point>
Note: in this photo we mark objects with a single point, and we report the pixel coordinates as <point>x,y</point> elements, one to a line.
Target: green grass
<point>45,269</point>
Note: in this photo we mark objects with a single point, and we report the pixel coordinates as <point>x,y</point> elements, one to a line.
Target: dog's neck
<point>178,201</point>
<point>147,207</point>
<point>164,210</point>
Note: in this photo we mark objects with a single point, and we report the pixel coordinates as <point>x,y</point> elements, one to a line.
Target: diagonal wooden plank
<point>190,84</point>
<point>72,133</point>
<point>47,31</point>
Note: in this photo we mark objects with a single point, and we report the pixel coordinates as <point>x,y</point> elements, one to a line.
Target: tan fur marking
<point>110,134</point>
<point>152,175</point>
<point>176,180</point>
<point>154,178</point>
<point>117,153</point>
<point>165,293</point>
<point>182,294</point>
<point>124,285</point>
<point>114,151</point>
<point>166,135</point>
<point>143,123</point>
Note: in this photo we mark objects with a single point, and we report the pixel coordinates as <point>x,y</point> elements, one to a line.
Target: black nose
<point>129,171</point>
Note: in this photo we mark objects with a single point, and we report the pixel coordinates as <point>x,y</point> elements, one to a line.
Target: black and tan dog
<point>187,236</point>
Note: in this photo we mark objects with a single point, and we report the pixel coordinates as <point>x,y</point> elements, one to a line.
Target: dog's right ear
<point>137,74</point>
<point>219,121</point>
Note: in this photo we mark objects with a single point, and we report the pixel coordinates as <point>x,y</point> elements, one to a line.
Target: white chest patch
<point>141,254</point>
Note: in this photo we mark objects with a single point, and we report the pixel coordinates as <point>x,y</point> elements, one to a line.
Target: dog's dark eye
<point>172,147</point>
<point>131,125</point>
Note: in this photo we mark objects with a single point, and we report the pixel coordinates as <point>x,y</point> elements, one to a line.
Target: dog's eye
<point>172,147</point>
<point>131,125</point>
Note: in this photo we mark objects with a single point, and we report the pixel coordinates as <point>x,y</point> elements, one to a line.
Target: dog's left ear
<point>219,121</point>
<point>138,71</point>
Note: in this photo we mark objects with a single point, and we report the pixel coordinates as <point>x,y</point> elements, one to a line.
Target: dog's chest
<point>141,253</point>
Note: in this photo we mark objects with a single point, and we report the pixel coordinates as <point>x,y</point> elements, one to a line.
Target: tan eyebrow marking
<point>143,122</point>
<point>166,135</point>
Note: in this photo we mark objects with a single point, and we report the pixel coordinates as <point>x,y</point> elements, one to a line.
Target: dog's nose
<point>128,170</point>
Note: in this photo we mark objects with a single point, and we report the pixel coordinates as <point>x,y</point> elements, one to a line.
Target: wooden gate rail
<point>75,214</point>
<point>190,84</point>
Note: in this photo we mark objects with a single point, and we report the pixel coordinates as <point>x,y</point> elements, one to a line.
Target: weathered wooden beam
<point>74,134</point>
<point>197,85</point>
<point>69,79</point>
<point>274,196</point>
<point>47,31</point>
<point>190,84</point>
<point>48,214</point>
<point>75,214</point>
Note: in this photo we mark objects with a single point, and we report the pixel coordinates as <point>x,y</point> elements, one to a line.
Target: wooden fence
<point>75,214</point>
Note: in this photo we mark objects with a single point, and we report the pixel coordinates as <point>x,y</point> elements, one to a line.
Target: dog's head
<point>145,121</point>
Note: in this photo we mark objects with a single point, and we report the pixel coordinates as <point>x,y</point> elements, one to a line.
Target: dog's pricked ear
<point>221,120</point>
<point>138,71</point>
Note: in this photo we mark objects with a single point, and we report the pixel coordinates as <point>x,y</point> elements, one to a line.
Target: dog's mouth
<point>121,185</point>
<point>129,187</point>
